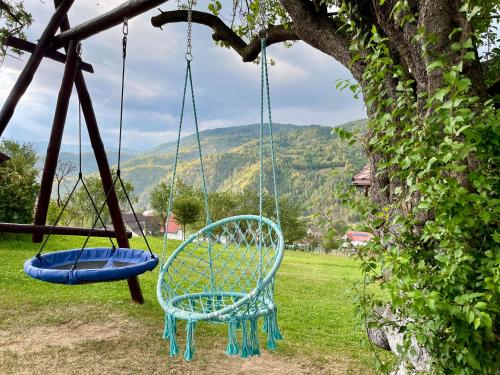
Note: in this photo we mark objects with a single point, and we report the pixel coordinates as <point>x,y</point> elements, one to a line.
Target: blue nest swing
<point>91,265</point>
<point>225,273</point>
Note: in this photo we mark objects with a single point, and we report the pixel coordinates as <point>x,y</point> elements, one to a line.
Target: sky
<point>227,90</point>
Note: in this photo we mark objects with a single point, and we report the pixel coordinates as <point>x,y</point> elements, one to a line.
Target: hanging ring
<point>188,56</point>
<point>263,34</point>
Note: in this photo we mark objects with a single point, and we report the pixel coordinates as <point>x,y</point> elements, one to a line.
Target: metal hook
<point>125,26</point>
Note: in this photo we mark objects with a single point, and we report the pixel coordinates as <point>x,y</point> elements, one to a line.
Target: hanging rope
<point>118,170</point>
<point>270,124</point>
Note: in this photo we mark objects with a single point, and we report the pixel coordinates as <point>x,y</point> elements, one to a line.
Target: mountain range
<point>310,160</point>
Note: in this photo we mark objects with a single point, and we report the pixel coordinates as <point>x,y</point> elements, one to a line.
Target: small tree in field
<point>158,200</point>
<point>186,211</point>
<point>64,169</point>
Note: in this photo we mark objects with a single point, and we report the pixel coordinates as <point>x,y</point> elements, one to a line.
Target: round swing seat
<point>224,271</point>
<point>94,265</point>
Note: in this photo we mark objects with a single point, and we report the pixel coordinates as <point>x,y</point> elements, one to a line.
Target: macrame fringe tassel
<point>272,329</point>
<point>254,338</point>
<point>171,328</point>
<point>165,330</point>
<point>246,350</point>
<point>232,345</point>
<point>277,332</point>
<point>188,354</point>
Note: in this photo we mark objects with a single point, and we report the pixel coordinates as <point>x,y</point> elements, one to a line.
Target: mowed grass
<point>315,316</point>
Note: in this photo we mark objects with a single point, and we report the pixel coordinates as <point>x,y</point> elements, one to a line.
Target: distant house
<point>358,238</point>
<point>150,224</point>
<point>363,178</point>
<point>174,230</point>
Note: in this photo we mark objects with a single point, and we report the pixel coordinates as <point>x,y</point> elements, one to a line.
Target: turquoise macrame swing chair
<point>225,272</point>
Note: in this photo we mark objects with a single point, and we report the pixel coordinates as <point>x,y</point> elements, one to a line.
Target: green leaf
<point>436,64</point>
<point>496,237</point>
<point>480,305</point>
<point>470,316</point>
<point>477,323</point>
<point>430,162</point>
<point>406,163</point>
<point>472,361</point>
<point>473,12</point>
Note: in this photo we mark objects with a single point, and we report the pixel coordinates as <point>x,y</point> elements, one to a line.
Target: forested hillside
<point>310,161</point>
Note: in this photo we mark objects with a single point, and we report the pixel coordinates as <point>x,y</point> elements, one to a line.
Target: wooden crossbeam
<point>46,229</point>
<point>114,17</point>
<point>24,45</point>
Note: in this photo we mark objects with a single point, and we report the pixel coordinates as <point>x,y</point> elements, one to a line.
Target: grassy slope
<point>315,315</point>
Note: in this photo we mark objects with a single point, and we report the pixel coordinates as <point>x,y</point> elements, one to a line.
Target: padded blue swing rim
<point>141,260</point>
<point>168,306</point>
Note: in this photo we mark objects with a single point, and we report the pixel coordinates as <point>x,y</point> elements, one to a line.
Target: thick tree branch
<point>223,33</point>
<point>321,31</point>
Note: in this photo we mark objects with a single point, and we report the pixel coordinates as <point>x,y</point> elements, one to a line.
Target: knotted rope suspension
<point>224,272</point>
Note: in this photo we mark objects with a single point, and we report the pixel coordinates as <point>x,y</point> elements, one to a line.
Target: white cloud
<point>227,90</point>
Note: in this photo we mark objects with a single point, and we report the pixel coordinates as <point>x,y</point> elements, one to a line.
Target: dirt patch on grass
<point>67,335</point>
<point>118,344</point>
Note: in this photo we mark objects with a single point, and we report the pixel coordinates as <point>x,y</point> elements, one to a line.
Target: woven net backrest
<point>228,259</point>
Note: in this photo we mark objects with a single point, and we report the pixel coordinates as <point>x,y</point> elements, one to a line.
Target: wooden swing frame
<point>48,46</point>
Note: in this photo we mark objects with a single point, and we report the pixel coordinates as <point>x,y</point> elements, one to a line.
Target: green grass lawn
<point>316,318</point>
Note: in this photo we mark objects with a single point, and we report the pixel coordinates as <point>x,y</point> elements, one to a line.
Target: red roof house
<point>172,226</point>
<point>358,238</point>
<point>174,230</point>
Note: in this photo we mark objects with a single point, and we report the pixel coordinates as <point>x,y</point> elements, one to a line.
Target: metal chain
<point>189,46</point>
<point>124,56</point>
<point>79,52</point>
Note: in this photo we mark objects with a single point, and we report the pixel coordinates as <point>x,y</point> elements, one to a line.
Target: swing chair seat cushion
<point>94,265</point>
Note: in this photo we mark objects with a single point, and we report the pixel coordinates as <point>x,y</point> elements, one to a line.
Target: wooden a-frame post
<point>56,134</point>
